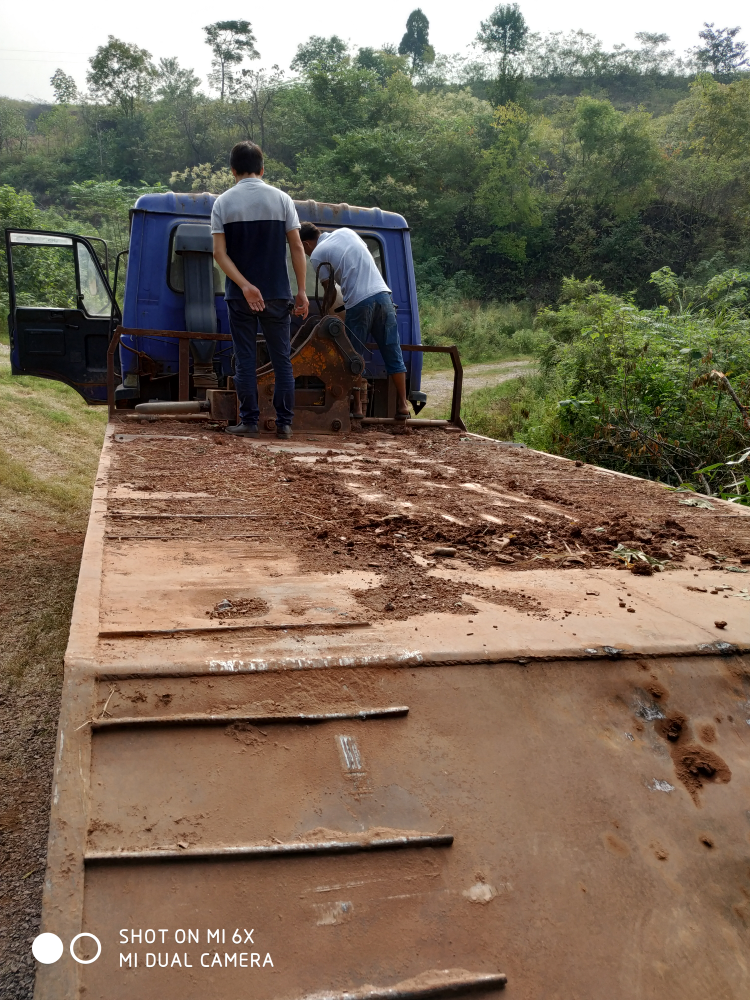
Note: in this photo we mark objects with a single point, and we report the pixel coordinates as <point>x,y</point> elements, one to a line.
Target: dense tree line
<point>540,158</point>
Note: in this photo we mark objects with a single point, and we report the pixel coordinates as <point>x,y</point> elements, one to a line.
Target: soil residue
<point>402,596</point>
<point>694,764</point>
<point>657,690</point>
<point>672,727</point>
<point>242,607</point>
<point>384,502</point>
<point>248,735</point>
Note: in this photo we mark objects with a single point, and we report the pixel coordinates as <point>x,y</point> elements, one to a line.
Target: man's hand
<point>252,294</point>
<point>301,305</point>
<point>253,297</point>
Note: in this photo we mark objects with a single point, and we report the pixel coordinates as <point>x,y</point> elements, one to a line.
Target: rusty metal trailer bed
<point>325,804</point>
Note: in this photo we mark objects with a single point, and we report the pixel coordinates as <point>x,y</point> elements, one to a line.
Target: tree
<point>64,87</point>
<point>258,89</point>
<point>506,191</point>
<point>230,42</point>
<point>384,62</point>
<point>319,54</point>
<point>174,81</point>
<point>719,52</point>
<point>504,33</point>
<point>652,58</point>
<point>12,127</point>
<point>416,40</point>
<point>59,126</point>
<point>121,74</point>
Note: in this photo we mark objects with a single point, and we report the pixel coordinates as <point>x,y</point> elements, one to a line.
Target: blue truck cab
<point>64,310</point>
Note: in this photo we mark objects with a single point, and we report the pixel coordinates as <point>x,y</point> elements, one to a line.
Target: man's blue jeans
<point>374,318</point>
<point>275,321</point>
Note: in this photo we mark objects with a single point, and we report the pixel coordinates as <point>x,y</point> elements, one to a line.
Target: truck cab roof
<point>319,212</point>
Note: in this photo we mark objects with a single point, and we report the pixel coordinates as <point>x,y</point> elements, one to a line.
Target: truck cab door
<point>61,310</point>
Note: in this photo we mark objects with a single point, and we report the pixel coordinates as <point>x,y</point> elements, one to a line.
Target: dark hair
<point>246,158</point>
<point>307,231</point>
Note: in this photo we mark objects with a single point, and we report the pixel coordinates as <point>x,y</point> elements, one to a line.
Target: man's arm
<point>252,294</point>
<point>299,263</point>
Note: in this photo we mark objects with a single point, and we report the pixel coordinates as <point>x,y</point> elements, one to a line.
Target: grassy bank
<point>49,442</point>
<point>49,448</point>
<point>483,332</point>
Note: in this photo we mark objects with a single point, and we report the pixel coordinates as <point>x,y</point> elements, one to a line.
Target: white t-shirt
<point>353,267</point>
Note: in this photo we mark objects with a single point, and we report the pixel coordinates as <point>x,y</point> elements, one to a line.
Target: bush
<point>662,393</point>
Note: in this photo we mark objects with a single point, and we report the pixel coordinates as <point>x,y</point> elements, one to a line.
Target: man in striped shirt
<point>251,225</point>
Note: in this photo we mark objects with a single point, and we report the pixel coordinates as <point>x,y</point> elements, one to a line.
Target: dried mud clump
<point>401,596</point>
<point>402,599</point>
<point>242,607</point>
<point>672,727</point>
<point>694,764</point>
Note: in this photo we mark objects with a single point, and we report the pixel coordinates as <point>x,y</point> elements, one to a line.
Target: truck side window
<point>176,277</point>
<point>44,271</point>
<point>95,298</point>
<point>373,245</point>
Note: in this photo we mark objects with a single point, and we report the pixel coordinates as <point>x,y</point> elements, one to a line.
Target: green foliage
<point>584,161</point>
<point>416,40</point>
<point>481,331</point>
<point>64,87</point>
<point>384,62</point>
<point>504,31</point>
<point>719,52</point>
<point>105,206</point>
<point>500,411</point>
<point>663,393</point>
<point>13,131</point>
<point>121,74</point>
<point>321,55</point>
<point>506,191</point>
<point>504,34</point>
<point>231,42</point>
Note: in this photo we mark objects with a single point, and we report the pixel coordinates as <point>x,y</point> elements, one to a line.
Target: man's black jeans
<point>275,322</point>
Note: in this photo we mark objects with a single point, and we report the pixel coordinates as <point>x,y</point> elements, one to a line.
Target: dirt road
<point>439,385</point>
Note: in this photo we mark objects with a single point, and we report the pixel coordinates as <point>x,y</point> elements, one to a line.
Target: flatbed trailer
<point>383,719</point>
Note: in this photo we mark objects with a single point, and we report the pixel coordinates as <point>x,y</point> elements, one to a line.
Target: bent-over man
<point>251,225</point>
<point>370,313</point>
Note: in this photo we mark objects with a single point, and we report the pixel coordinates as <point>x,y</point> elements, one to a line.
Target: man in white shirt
<point>251,225</point>
<point>370,313</point>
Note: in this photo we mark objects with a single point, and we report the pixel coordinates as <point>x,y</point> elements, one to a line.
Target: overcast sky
<point>37,38</point>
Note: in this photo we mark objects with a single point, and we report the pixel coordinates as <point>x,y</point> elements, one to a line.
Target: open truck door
<point>62,310</point>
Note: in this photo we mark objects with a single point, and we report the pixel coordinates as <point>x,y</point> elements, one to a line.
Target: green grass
<point>499,411</point>
<point>494,331</point>
<point>49,441</point>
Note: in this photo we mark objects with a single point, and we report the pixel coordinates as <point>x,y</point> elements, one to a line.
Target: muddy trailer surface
<point>395,719</point>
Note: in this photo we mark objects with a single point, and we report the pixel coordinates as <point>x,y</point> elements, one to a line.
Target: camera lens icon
<point>47,948</point>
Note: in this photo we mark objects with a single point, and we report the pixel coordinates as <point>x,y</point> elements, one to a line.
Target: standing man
<point>370,313</point>
<point>251,225</point>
